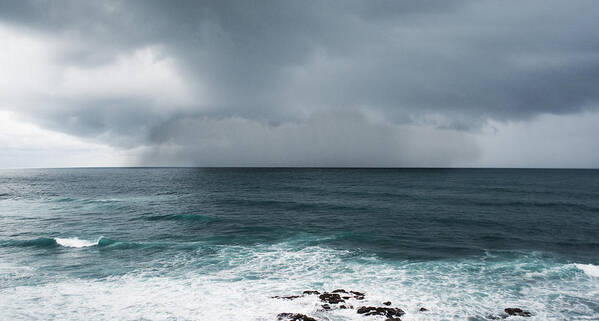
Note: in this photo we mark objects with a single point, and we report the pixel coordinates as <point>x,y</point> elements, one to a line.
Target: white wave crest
<point>589,269</point>
<point>74,242</point>
<point>243,289</point>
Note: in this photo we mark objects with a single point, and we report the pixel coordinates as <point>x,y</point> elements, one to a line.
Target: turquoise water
<point>217,244</point>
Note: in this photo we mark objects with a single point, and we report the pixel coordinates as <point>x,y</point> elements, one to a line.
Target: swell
<point>42,242</point>
<point>288,205</point>
<point>64,200</point>
<point>177,217</point>
<point>84,200</point>
<point>100,243</point>
<point>540,204</point>
<point>47,242</point>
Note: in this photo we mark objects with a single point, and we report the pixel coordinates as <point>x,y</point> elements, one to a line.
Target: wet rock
<point>311,292</point>
<point>517,312</point>
<point>392,319</point>
<point>294,317</point>
<point>423,309</point>
<point>326,306</point>
<point>386,312</point>
<point>332,298</point>
<point>346,297</point>
<point>288,297</point>
<point>339,291</point>
<point>357,295</point>
<point>387,303</point>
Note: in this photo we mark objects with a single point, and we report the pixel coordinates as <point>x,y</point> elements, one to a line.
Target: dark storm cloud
<point>450,64</point>
<point>339,139</point>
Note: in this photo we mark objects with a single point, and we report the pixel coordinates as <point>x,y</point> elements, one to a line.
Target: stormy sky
<point>299,83</point>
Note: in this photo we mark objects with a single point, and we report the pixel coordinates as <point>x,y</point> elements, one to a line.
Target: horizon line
<point>302,167</point>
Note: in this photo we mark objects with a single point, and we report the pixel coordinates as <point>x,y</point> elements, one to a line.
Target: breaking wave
<point>589,269</point>
<point>46,242</point>
<point>75,242</point>
<point>239,282</point>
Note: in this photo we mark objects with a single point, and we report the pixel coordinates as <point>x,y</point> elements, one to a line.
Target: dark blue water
<point>215,244</point>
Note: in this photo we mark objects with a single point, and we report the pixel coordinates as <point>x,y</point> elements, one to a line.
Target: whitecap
<point>589,269</point>
<point>239,284</point>
<point>75,242</point>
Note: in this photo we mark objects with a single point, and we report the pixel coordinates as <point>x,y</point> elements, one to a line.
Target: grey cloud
<point>120,121</point>
<point>279,62</point>
<point>349,140</point>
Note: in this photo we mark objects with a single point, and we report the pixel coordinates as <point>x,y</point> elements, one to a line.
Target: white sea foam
<point>240,287</point>
<point>74,242</point>
<point>589,269</point>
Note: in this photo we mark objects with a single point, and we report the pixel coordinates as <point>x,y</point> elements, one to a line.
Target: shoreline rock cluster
<point>338,299</point>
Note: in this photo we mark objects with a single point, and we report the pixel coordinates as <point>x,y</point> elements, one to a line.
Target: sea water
<point>218,244</point>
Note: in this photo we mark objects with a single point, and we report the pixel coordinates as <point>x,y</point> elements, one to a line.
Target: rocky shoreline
<point>339,299</point>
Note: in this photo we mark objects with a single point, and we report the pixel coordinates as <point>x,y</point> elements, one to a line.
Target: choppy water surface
<point>217,244</point>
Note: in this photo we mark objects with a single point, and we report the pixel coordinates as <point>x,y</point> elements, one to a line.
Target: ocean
<point>223,243</point>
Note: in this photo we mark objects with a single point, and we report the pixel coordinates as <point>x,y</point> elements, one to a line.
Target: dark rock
<point>387,303</point>
<point>346,297</point>
<point>357,295</point>
<point>339,291</point>
<point>332,298</point>
<point>392,319</point>
<point>517,312</point>
<point>326,306</point>
<point>294,317</point>
<point>311,292</point>
<point>423,309</point>
<point>363,310</point>
<point>289,297</point>
<point>387,312</point>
